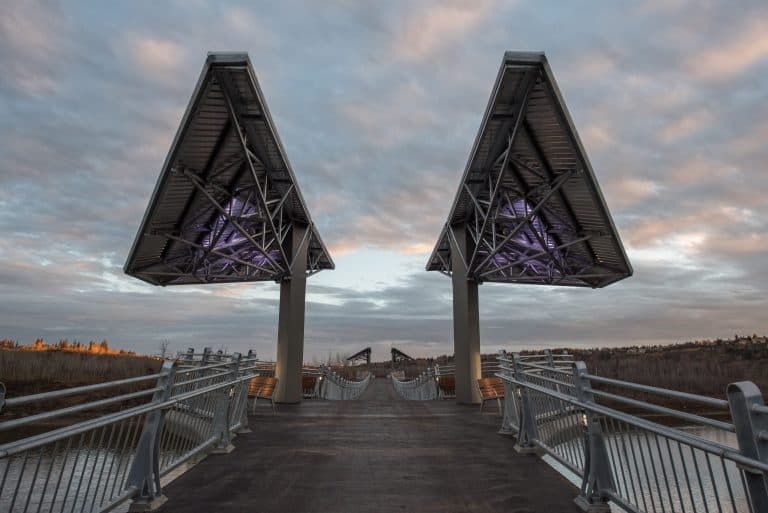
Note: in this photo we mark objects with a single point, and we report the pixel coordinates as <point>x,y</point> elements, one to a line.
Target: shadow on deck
<point>377,454</point>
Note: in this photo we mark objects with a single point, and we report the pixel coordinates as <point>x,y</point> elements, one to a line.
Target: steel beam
<point>201,186</point>
<point>535,255</point>
<point>529,82</point>
<point>555,186</point>
<point>233,115</point>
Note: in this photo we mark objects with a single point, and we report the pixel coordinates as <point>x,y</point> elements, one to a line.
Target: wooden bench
<point>309,386</point>
<point>262,387</point>
<point>446,386</point>
<point>490,389</point>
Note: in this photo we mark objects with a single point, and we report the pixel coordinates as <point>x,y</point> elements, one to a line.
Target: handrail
<point>66,392</point>
<point>97,463</point>
<point>717,424</point>
<point>638,464</point>
<point>49,415</point>
<point>709,401</point>
<point>660,429</point>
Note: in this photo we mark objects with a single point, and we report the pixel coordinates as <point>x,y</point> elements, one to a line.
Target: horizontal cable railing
<point>57,462</point>
<point>422,388</point>
<point>601,430</point>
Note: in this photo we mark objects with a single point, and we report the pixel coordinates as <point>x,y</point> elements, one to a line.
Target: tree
<point>164,348</point>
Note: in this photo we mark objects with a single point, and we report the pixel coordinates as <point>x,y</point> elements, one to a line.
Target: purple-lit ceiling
<point>227,201</point>
<point>529,200</point>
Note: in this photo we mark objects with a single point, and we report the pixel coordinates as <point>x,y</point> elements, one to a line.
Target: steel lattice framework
<point>399,356</point>
<point>364,355</point>
<point>227,199</point>
<point>529,198</point>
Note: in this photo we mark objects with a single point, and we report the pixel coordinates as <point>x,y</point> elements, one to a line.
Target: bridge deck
<point>377,454</point>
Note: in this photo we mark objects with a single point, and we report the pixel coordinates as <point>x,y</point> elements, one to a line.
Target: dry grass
<point>700,367</point>
<point>28,372</point>
<point>694,368</point>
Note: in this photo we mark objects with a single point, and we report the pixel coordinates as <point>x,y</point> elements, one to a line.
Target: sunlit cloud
<point>157,58</point>
<point>685,125</point>
<point>431,27</point>
<point>32,39</point>
<point>745,46</point>
<point>630,191</point>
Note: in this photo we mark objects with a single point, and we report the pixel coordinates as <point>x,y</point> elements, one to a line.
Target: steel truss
<point>516,206</point>
<point>400,357</point>
<point>364,355</point>
<point>241,210</point>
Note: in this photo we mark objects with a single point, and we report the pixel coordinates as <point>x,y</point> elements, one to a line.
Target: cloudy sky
<point>378,106</point>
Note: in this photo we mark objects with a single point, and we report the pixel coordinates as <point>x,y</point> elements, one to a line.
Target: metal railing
<point>334,387</point>
<point>445,372</point>
<point>554,406</point>
<point>489,368</point>
<point>57,463</point>
<point>422,388</point>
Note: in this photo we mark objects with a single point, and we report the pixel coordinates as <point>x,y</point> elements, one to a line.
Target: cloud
<point>685,125</point>
<point>699,169</point>
<point>433,27</point>
<point>157,58</point>
<point>630,191</point>
<point>32,36</point>
<point>746,46</point>
<point>404,109</point>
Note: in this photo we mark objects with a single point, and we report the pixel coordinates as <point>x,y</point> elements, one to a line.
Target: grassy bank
<point>704,368</point>
<point>27,372</point>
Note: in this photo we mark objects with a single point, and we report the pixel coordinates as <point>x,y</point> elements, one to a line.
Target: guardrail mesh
<point>60,464</point>
<point>691,463</point>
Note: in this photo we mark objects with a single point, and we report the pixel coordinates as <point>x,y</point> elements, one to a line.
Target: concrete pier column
<point>466,321</point>
<point>290,330</point>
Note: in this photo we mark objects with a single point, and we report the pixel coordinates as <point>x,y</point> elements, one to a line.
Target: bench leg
<point>482,403</point>
<point>274,407</point>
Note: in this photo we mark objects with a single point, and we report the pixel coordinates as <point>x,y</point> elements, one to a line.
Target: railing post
<point>432,384</point>
<point>242,400</point>
<point>2,396</point>
<point>190,354</point>
<point>598,478</point>
<point>221,413</point>
<point>752,435</point>
<point>510,421</point>
<point>145,469</point>
<point>528,431</point>
<point>206,356</point>
<point>322,384</point>
<point>550,358</point>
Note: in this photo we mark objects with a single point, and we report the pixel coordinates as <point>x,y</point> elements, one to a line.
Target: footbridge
<point>362,448</point>
<point>561,439</point>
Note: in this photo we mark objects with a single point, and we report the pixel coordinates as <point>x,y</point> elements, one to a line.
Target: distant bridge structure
<point>399,357</point>
<point>363,355</point>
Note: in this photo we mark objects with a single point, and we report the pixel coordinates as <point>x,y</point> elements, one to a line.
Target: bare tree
<point>164,348</point>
